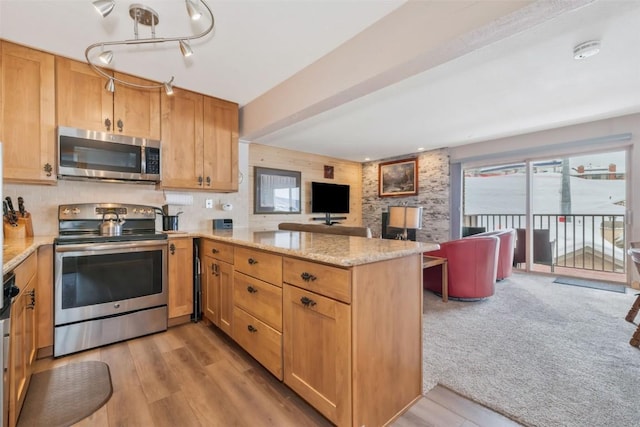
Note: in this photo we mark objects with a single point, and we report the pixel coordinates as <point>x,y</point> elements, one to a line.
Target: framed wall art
<point>398,178</point>
<point>276,191</point>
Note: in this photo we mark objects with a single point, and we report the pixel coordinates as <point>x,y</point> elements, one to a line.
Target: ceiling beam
<point>416,37</point>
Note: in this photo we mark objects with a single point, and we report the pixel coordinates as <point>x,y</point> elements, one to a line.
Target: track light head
<point>185,48</point>
<point>110,86</point>
<point>106,57</point>
<point>104,7</point>
<point>193,10</point>
<point>168,87</point>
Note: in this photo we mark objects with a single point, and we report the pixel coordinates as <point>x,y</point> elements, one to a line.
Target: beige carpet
<point>65,395</point>
<point>540,353</point>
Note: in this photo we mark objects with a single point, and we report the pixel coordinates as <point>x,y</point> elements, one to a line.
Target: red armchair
<point>472,266</point>
<point>505,254</point>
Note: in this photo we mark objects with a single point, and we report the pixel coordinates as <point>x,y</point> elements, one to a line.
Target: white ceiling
<point>525,82</point>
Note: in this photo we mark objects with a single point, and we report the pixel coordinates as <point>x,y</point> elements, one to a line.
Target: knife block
<point>24,228</point>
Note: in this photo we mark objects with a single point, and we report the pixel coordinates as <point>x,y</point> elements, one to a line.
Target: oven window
<point>97,279</point>
<point>83,153</point>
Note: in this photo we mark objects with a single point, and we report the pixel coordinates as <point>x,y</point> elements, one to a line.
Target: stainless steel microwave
<point>87,154</point>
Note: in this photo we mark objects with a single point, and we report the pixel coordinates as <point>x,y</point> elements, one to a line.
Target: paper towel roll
<point>178,199</point>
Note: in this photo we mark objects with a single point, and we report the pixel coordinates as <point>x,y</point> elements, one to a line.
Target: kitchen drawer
<point>217,250</point>
<point>329,281</point>
<point>259,299</point>
<point>26,270</point>
<point>259,339</point>
<point>261,265</point>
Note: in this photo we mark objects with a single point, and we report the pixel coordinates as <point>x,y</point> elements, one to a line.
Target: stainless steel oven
<point>108,288</point>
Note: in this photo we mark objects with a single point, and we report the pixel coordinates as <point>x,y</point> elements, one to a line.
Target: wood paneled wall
<point>311,167</point>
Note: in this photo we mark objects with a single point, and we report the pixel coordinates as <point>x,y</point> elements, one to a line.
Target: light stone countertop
<point>15,251</point>
<point>344,251</point>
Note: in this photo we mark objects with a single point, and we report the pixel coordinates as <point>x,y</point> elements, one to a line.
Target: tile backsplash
<point>42,201</point>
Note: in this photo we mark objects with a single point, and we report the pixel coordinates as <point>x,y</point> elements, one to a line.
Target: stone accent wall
<point>433,195</point>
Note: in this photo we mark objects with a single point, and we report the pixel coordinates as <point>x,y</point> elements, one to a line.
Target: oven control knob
<point>76,211</point>
<point>66,211</point>
<point>116,305</point>
<point>149,211</point>
<point>135,210</point>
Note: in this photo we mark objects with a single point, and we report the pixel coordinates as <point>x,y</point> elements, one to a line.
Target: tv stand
<point>328,219</point>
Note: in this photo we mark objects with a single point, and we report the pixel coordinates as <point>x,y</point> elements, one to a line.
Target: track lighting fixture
<point>143,15</point>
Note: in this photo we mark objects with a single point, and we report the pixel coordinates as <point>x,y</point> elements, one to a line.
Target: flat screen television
<point>329,198</point>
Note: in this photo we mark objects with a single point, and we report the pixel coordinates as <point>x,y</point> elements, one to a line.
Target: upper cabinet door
<point>136,112</point>
<point>27,119</point>
<point>182,140</point>
<point>81,98</point>
<point>220,145</point>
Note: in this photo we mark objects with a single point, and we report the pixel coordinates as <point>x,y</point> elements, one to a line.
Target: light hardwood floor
<point>194,375</point>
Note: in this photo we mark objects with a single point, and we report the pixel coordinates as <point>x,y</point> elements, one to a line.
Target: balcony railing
<point>581,241</point>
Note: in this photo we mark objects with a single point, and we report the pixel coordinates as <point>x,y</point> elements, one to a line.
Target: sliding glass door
<point>568,212</point>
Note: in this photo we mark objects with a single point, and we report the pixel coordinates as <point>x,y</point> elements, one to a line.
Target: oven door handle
<point>110,246</point>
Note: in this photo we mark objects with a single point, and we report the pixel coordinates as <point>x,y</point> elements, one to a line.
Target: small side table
<point>432,261</point>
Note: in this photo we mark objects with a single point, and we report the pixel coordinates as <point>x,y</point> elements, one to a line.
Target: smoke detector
<point>586,49</point>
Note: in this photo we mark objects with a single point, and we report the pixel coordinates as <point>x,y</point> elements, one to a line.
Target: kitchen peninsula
<point>337,318</point>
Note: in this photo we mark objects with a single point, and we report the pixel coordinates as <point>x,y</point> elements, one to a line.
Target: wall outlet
<point>208,203</point>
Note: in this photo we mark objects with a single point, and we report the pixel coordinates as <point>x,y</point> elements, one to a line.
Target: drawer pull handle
<point>172,249</point>
<point>214,251</point>
<point>252,329</point>
<point>251,289</point>
<point>307,302</point>
<point>308,277</point>
<point>252,261</point>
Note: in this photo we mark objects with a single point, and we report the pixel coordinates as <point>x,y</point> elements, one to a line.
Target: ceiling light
<point>586,49</point>
<point>104,7</point>
<point>193,10</point>
<point>143,15</point>
<point>110,86</point>
<point>421,149</point>
<point>106,57</point>
<point>185,48</point>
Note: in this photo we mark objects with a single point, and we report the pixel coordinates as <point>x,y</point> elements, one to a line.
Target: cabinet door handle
<point>120,125</point>
<point>200,180</point>
<point>251,289</point>
<point>252,329</point>
<point>308,277</point>
<point>213,269</point>
<point>214,251</point>
<point>107,123</point>
<point>307,302</point>
<point>252,261</point>
<point>48,169</point>
<point>172,249</point>
<point>209,181</point>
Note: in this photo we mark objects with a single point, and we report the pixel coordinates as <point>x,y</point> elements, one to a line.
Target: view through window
<point>577,210</point>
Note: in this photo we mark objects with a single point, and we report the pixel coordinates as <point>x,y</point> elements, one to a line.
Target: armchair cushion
<point>472,266</point>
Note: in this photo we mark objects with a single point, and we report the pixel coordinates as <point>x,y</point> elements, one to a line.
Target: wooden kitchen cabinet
<point>83,102</point>
<point>23,336</point>
<point>199,142</point>
<point>217,283</point>
<point>368,319</point>
<point>257,306</point>
<point>180,280</point>
<point>27,120</point>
